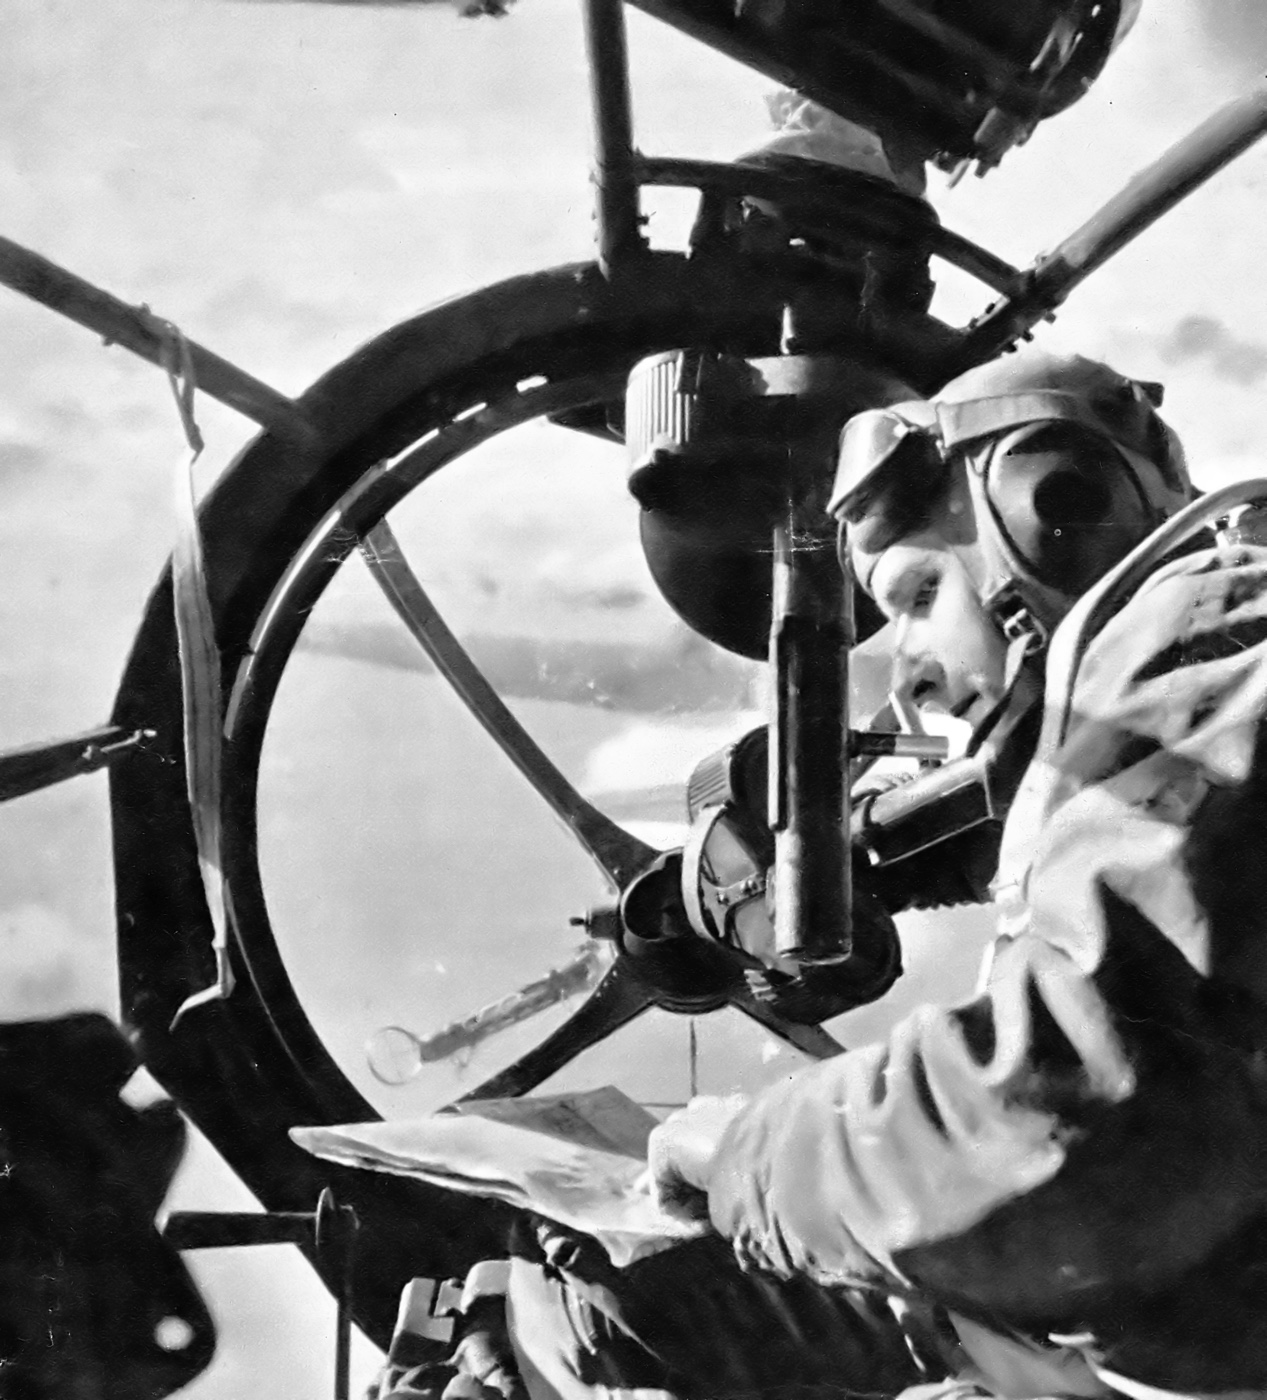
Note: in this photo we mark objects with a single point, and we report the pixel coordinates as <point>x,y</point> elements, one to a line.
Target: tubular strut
<point>35,766</point>
<point>189,366</point>
<point>1233,129</point>
<point>330,1230</point>
<point>136,328</point>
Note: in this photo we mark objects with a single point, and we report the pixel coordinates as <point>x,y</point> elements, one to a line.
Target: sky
<point>285,181</point>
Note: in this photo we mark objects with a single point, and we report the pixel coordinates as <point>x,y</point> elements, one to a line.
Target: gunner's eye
<point>905,586</point>
<point>924,597</point>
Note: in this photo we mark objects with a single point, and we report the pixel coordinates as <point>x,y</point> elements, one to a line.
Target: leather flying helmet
<point>1068,464</point>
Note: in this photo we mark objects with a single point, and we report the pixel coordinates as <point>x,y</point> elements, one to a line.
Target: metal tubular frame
<point>1188,164</point>
<point>620,170</point>
<point>616,181</point>
<point>35,766</point>
<point>145,334</point>
<point>685,173</point>
<point>330,1230</point>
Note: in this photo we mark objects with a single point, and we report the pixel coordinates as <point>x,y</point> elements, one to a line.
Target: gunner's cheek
<point>988,652</point>
<point>945,627</point>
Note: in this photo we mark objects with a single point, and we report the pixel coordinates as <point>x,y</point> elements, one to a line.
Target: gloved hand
<point>681,1150</point>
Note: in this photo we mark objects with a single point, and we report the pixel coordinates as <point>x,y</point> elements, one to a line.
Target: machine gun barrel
<point>578,974</point>
<point>811,633</point>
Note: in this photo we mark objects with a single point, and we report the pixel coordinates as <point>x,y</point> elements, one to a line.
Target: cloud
<point>1206,338</point>
<point>1236,33</point>
<point>39,948</point>
<point>611,597</point>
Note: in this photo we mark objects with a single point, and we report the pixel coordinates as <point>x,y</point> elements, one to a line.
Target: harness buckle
<point>1014,618</point>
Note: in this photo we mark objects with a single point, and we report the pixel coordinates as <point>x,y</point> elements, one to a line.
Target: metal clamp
<point>1013,616</point>
<point>331,1231</point>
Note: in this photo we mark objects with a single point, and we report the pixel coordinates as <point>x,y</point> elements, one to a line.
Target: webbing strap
<point>199,671</point>
<point>971,419</point>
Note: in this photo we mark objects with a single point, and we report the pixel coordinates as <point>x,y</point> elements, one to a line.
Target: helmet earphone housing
<point>1065,503</point>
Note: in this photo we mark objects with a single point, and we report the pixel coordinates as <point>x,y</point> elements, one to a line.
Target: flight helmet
<point>1068,463</point>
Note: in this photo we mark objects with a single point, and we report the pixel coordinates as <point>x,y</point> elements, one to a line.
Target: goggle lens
<point>871,440</point>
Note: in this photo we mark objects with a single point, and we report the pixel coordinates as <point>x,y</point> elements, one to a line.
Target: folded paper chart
<point>579,1159</point>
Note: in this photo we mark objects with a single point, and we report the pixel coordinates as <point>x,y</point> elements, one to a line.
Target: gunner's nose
<point>918,678</point>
